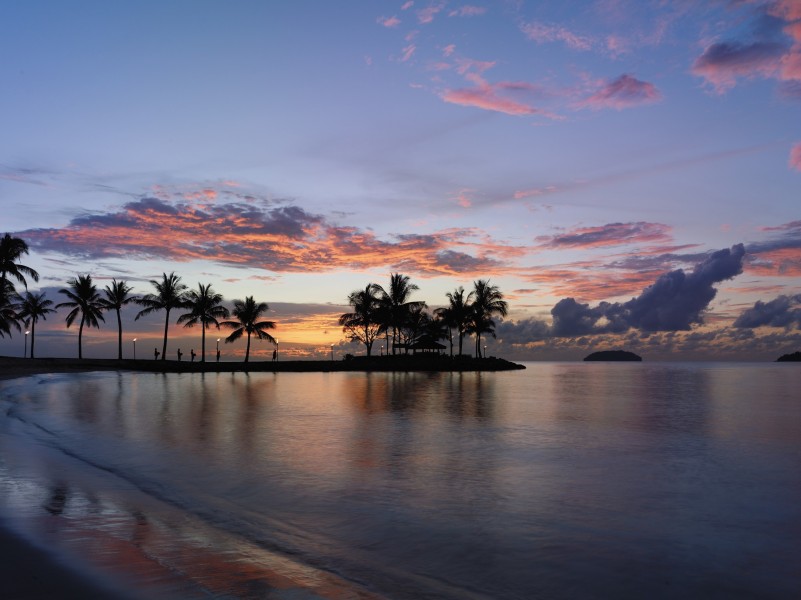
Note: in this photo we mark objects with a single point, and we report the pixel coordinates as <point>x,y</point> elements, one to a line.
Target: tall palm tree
<point>205,307</point>
<point>458,313</point>
<point>30,308</point>
<point>11,250</point>
<point>247,315</point>
<point>488,301</point>
<point>117,296</point>
<point>85,301</point>
<point>169,295</point>
<point>396,303</point>
<point>364,323</point>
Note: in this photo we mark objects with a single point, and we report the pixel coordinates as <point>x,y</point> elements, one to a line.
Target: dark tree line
<point>87,304</point>
<point>404,323</point>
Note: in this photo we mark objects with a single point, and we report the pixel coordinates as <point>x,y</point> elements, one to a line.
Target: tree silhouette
<point>458,314</point>
<point>117,296</point>
<point>247,315</point>
<point>11,250</point>
<point>488,301</point>
<point>83,300</point>
<point>364,324</point>
<point>169,295</point>
<point>396,304</point>
<point>8,313</point>
<point>30,307</point>
<point>205,307</point>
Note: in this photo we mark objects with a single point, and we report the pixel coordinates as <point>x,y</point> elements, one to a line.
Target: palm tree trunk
<point>166,326</point>
<point>461,340</point>
<point>202,342</point>
<point>119,335</point>
<point>33,335</point>
<point>80,339</point>
<point>247,350</point>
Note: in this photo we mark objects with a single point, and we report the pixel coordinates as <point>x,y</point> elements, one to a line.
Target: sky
<point>627,172</point>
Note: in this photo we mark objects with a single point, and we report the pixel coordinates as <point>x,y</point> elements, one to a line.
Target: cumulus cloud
<point>624,92</point>
<point>723,62</point>
<point>783,311</point>
<point>675,301</point>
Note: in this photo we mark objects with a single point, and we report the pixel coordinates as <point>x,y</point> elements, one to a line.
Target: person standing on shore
<point>180,354</point>
<point>156,353</point>
<point>192,353</point>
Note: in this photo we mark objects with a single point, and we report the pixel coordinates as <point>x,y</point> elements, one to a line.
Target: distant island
<point>794,357</point>
<point>614,355</point>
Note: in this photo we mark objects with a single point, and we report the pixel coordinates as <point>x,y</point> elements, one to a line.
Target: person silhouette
<point>180,354</point>
<point>192,352</point>
<point>275,353</point>
<point>156,353</point>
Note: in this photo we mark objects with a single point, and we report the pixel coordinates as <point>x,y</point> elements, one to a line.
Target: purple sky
<point>627,171</point>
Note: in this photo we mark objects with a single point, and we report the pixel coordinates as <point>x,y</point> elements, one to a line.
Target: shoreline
<point>13,367</point>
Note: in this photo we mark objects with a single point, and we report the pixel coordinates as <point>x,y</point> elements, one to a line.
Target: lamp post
<point>332,352</point>
<point>25,353</point>
<point>134,345</point>
<point>485,351</point>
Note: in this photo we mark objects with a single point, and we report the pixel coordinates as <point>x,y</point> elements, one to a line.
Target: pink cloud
<point>624,92</point>
<point>408,52</point>
<point>723,62</point>
<point>611,234</point>
<point>542,33</point>
<point>795,157</point>
<point>388,21</point>
<point>426,15</point>
<point>468,11</point>
<point>468,64</point>
<point>407,5</point>
<point>462,198</point>
<point>485,96</point>
<point>448,50</point>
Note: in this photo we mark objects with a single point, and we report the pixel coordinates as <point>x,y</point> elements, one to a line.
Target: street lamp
<point>134,344</point>
<point>25,354</point>
<point>332,352</point>
<point>485,351</point>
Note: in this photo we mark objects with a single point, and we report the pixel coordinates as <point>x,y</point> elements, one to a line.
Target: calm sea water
<point>561,481</point>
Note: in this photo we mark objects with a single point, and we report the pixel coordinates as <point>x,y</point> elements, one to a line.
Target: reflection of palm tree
<point>247,315</point>
<point>29,308</point>
<point>396,304</point>
<point>488,302</point>
<point>205,307</point>
<point>458,313</point>
<point>117,297</point>
<point>364,323</point>
<point>11,250</point>
<point>169,294</point>
<point>83,300</point>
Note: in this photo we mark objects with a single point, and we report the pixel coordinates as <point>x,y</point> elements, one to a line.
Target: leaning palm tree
<point>85,301</point>
<point>205,307</point>
<point>11,250</point>
<point>364,323</point>
<point>396,304</point>
<point>247,315</point>
<point>488,302</point>
<point>117,296</point>
<point>458,313</point>
<point>30,308</point>
<point>169,295</point>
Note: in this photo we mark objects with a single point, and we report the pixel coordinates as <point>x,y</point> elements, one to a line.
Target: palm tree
<point>11,250</point>
<point>8,313</point>
<point>83,300</point>
<point>169,295</point>
<point>457,314</point>
<point>29,308</point>
<point>364,323</point>
<point>488,302</point>
<point>205,307</point>
<point>396,303</point>
<point>247,315</point>
<point>117,297</point>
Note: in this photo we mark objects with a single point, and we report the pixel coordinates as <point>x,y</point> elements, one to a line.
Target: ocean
<point>565,480</point>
